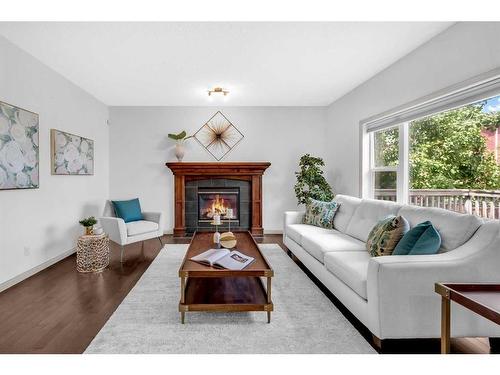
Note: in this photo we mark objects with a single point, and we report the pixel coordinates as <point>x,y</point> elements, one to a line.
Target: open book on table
<point>224,258</point>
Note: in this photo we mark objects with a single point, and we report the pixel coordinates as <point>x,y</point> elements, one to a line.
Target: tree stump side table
<point>92,253</point>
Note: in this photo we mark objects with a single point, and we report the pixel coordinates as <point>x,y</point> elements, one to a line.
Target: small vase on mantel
<point>179,151</point>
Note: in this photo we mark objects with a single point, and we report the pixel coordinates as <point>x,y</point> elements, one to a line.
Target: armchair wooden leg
<point>121,254</point>
<point>161,243</point>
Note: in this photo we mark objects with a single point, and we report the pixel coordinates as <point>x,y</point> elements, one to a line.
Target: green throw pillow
<point>320,213</point>
<point>386,234</point>
<point>422,239</point>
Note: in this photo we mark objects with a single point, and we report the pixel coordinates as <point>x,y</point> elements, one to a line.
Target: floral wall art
<point>19,157</point>
<point>71,154</point>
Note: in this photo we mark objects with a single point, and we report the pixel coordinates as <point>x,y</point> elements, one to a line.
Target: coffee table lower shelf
<point>225,294</point>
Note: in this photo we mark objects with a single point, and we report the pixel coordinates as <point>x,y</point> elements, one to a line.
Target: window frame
<point>401,169</point>
<point>367,160</point>
<point>475,89</point>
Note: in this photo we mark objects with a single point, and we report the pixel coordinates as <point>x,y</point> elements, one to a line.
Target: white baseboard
<point>23,276</point>
<point>273,231</point>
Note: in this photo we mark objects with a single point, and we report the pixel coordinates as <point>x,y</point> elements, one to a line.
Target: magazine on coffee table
<point>223,258</point>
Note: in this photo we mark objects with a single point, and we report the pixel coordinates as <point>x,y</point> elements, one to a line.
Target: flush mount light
<point>218,90</point>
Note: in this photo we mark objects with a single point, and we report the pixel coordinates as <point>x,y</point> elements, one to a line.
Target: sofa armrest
<point>400,288</point>
<point>115,228</point>
<point>293,217</point>
<point>156,217</point>
<point>152,216</point>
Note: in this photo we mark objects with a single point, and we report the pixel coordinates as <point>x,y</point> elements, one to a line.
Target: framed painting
<point>19,154</point>
<point>71,154</point>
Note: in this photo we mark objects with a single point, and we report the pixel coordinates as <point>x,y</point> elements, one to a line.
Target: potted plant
<point>88,224</point>
<point>179,143</point>
<point>310,181</point>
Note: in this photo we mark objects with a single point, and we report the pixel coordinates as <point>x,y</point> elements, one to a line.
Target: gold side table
<point>92,253</point>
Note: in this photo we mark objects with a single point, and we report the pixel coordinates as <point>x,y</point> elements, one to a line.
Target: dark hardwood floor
<point>60,310</point>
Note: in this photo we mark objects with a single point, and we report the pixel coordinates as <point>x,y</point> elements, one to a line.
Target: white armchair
<point>126,233</point>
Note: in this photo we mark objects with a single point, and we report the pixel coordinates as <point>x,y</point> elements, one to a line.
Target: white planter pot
<point>179,151</point>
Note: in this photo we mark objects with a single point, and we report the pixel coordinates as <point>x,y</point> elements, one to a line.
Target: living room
<point>200,187</point>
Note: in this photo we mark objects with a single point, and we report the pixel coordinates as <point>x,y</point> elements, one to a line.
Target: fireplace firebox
<point>213,201</point>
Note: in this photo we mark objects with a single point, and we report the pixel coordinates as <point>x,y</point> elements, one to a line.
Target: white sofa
<point>393,296</point>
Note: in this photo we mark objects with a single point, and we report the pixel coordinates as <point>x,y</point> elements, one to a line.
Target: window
<point>384,163</point>
<point>448,159</point>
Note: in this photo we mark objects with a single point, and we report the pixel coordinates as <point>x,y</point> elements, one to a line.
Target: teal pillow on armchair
<point>421,239</point>
<point>128,210</point>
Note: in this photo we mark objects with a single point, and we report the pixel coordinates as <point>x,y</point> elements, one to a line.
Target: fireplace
<point>191,177</point>
<point>204,197</point>
<point>220,201</point>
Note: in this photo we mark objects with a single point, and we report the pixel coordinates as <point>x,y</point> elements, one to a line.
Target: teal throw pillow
<point>128,210</point>
<point>421,239</point>
<point>320,213</point>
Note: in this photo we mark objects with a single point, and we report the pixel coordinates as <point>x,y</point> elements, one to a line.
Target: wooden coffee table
<point>204,288</point>
<point>483,299</point>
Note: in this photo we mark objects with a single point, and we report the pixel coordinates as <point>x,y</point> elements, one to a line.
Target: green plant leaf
<point>178,137</point>
<point>311,184</point>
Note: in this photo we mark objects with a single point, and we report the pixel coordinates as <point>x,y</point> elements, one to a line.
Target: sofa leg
<point>495,345</point>
<point>121,254</point>
<point>378,343</point>
<point>161,243</point>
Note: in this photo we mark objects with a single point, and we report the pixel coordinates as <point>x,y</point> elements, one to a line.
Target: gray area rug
<point>304,320</point>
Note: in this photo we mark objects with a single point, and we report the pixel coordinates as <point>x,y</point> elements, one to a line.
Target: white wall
<point>40,225</point>
<point>461,52</point>
<point>139,149</point>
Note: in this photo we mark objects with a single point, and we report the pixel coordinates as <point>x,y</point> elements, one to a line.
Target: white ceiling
<point>262,64</point>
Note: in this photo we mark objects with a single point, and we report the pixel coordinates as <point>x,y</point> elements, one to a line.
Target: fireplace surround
<point>243,175</point>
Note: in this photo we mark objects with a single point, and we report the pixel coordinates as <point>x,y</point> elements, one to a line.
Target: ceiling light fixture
<point>218,90</point>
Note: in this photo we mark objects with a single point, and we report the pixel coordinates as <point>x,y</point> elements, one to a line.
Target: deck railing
<point>483,203</point>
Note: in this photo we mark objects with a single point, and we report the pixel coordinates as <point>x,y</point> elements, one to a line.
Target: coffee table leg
<point>445,325</point>
<point>269,298</point>
<point>183,295</point>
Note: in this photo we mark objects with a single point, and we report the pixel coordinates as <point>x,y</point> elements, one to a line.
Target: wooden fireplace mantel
<point>186,171</point>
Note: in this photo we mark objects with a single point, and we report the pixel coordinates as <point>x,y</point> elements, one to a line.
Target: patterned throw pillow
<point>386,234</point>
<point>320,213</point>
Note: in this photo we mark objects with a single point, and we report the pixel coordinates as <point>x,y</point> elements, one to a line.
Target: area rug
<point>304,320</point>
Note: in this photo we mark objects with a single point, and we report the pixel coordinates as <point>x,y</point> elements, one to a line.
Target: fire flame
<point>219,206</point>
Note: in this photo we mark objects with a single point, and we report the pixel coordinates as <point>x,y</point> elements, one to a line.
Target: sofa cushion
<point>320,213</point>
<point>386,234</point>
<point>347,206</point>
<point>296,231</point>
<point>351,267</point>
<point>367,214</point>
<point>455,229</point>
<point>135,228</point>
<point>319,244</point>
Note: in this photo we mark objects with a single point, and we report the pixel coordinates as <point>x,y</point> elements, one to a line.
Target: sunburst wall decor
<point>218,136</point>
